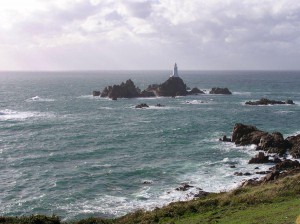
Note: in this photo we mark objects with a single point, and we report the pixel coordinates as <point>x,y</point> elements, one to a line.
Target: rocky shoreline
<point>172,87</point>
<point>268,145</point>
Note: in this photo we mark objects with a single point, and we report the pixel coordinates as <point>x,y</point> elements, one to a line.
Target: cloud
<point>215,34</point>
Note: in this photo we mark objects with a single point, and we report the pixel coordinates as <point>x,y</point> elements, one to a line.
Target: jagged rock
<point>246,134</point>
<point>174,86</point>
<point>294,142</point>
<point>259,158</point>
<point>124,90</point>
<point>232,166</point>
<point>195,91</point>
<point>142,105</point>
<point>271,176</point>
<point>276,160</point>
<point>217,90</point>
<point>146,93</point>
<point>265,101</point>
<point>225,139</point>
<point>286,164</point>
<point>184,187</point>
<point>274,143</point>
<point>96,93</point>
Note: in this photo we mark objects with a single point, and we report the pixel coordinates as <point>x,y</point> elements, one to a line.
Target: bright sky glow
<point>149,34</point>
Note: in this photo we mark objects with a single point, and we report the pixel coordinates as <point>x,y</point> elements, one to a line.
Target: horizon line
<point>124,70</point>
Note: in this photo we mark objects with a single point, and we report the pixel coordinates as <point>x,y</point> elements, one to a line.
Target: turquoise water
<point>65,152</point>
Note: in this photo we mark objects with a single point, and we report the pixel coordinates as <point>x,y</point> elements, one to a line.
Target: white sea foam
<point>151,107</point>
<point>39,99</point>
<point>196,102</point>
<point>242,93</point>
<point>21,115</point>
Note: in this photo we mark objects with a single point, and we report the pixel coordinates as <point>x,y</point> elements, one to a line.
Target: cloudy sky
<point>149,34</point>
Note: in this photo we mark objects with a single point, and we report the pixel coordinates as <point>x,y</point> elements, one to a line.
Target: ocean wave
<point>242,93</point>
<point>39,99</point>
<point>21,115</point>
<point>195,102</point>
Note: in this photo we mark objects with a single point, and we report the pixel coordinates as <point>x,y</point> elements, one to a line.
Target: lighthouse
<point>175,71</point>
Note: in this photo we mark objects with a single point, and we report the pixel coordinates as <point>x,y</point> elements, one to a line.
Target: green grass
<point>276,202</point>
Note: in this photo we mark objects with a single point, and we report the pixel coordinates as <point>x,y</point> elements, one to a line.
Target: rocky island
<point>265,101</point>
<point>173,86</point>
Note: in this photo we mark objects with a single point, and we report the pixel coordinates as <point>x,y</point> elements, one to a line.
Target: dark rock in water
<point>124,90</point>
<point>256,168</point>
<point>287,164</point>
<point>147,182</point>
<point>247,174</point>
<point>294,142</point>
<point>96,93</point>
<point>159,105</point>
<point>289,102</point>
<point>238,173</point>
<point>265,101</point>
<point>201,194</point>
<point>246,134</point>
<point>232,166</point>
<point>184,187</point>
<point>217,90</point>
<point>259,158</point>
<point>174,86</point>
<point>276,160</point>
<point>225,139</point>
<point>114,98</point>
<point>142,105</point>
<point>195,91</point>
<point>274,143</point>
<point>242,174</point>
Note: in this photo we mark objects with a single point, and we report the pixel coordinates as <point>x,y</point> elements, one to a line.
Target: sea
<point>65,152</point>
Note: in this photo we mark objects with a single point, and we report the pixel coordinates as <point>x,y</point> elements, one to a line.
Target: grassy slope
<point>274,202</point>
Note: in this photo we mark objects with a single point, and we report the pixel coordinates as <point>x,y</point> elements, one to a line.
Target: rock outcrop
<point>286,164</point>
<point>259,158</point>
<point>217,90</point>
<point>142,105</point>
<point>272,143</point>
<point>246,134</point>
<point>124,90</point>
<point>174,86</point>
<point>195,91</point>
<point>294,142</point>
<point>264,101</point>
<point>96,93</point>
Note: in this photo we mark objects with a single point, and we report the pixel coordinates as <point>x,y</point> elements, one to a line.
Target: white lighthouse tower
<point>175,71</point>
